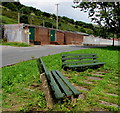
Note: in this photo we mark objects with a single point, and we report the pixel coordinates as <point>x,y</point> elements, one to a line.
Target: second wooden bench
<point>80,61</point>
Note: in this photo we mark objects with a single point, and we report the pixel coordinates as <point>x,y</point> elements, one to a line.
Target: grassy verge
<point>15,44</point>
<point>22,86</point>
<point>7,20</point>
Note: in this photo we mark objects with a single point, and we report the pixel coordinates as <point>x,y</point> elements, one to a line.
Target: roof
<point>29,25</point>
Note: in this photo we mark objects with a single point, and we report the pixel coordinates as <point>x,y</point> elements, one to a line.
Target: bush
<point>48,24</point>
<point>24,19</point>
<point>46,14</point>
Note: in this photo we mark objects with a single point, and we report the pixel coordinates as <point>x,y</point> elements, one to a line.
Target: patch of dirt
<point>47,91</point>
<point>111,94</point>
<point>112,85</point>
<point>102,72</point>
<point>81,88</point>
<point>88,82</point>
<point>107,103</point>
<point>94,78</point>
<point>76,74</point>
<point>68,78</point>
<point>97,74</point>
<point>37,86</point>
<point>13,103</point>
<point>98,109</point>
<point>81,96</point>
<point>116,77</point>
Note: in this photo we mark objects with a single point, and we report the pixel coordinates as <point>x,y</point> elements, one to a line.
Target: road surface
<point>12,55</point>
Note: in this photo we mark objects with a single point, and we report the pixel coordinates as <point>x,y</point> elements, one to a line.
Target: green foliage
<point>48,24</point>
<point>83,24</point>
<point>104,13</point>
<point>7,20</point>
<point>82,29</point>
<point>38,13</point>
<point>46,14</point>
<point>89,31</point>
<point>21,85</point>
<point>10,5</point>
<point>15,44</point>
<point>24,19</point>
<point>68,19</point>
<point>10,14</point>
<point>25,10</point>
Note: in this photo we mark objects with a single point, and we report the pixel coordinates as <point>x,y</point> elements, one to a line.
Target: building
<point>32,34</point>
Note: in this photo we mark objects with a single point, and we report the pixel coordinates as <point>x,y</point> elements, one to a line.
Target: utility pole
<point>18,10</point>
<point>57,17</point>
<point>18,17</point>
<point>43,23</point>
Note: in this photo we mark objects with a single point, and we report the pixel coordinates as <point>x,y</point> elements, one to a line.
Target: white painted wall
<point>98,41</point>
<point>15,33</point>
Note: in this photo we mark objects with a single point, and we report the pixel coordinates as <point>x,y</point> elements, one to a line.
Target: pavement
<point>12,55</point>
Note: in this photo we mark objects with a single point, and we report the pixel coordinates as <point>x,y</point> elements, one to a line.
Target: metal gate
<point>52,35</point>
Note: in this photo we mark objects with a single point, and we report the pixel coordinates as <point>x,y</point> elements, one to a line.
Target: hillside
<point>30,15</point>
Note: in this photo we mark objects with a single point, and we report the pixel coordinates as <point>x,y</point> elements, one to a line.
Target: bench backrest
<point>78,58</point>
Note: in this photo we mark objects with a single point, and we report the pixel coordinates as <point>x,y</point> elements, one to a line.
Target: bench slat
<point>68,83</point>
<point>73,58</point>
<point>74,62</point>
<point>82,65</point>
<point>57,92</point>
<point>63,86</point>
<point>78,55</point>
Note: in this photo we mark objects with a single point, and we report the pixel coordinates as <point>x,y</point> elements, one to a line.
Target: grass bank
<point>22,87</point>
<point>17,44</point>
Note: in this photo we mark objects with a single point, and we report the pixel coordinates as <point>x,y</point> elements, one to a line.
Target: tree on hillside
<point>24,19</point>
<point>26,10</point>
<point>46,14</point>
<point>106,14</point>
<point>48,24</point>
<point>10,5</point>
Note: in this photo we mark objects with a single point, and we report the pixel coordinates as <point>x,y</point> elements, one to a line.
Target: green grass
<point>22,86</point>
<point>17,44</point>
<point>7,20</point>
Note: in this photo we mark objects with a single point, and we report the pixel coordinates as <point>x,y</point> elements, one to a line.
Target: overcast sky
<point>65,8</point>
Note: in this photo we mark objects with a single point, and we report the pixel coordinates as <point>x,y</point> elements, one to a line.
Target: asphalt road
<point>12,55</point>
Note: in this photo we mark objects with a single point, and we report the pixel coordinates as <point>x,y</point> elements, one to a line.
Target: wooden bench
<point>80,61</point>
<point>60,86</point>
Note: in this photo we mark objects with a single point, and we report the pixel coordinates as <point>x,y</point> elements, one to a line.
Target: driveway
<point>12,55</point>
